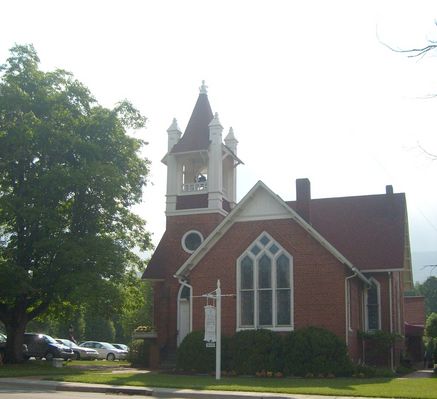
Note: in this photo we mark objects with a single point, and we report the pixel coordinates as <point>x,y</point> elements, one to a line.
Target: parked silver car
<point>79,352</point>
<point>105,350</point>
<point>123,347</point>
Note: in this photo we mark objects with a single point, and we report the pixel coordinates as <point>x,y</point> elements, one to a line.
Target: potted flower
<point>144,332</point>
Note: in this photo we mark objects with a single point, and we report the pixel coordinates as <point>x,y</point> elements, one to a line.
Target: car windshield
<point>67,342</point>
<point>49,339</point>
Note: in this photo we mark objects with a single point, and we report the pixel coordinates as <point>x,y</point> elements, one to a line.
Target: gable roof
<point>196,135</point>
<point>275,208</point>
<point>371,231</point>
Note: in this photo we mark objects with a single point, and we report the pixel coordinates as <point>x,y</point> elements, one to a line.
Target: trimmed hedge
<point>255,351</point>
<point>193,355</point>
<point>316,351</point>
<point>310,350</point>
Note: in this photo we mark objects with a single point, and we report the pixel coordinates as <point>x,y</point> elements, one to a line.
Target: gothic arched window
<point>265,289</point>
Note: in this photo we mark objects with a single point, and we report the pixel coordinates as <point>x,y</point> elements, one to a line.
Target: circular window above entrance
<point>191,241</point>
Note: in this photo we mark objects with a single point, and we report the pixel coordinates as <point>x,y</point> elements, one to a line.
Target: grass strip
<point>418,388</point>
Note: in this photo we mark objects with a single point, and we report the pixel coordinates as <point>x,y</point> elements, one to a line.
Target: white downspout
<point>390,277</point>
<point>190,287</point>
<point>346,297</point>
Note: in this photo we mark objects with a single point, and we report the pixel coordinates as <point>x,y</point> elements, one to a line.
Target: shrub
<point>255,351</point>
<point>314,350</point>
<point>139,353</point>
<point>193,355</point>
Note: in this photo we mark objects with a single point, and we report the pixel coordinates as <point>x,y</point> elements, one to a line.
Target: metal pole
<point>218,345</point>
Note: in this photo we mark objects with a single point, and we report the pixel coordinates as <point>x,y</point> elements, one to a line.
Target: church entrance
<point>184,313</point>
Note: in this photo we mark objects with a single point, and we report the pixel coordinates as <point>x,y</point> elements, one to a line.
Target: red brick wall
<point>415,309</point>
<point>318,279</point>
<point>356,295</point>
<point>318,276</point>
<point>391,321</point>
<point>171,257</point>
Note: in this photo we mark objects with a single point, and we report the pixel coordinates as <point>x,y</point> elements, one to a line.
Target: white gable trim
<point>195,211</point>
<point>280,210</point>
<point>382,270</point>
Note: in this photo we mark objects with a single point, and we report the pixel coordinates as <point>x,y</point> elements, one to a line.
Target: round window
<point>191,241</point>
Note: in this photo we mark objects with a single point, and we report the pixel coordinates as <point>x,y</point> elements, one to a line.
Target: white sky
<point>307,86</point>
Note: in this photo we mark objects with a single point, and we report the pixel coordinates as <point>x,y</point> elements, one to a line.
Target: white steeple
<point>231,142</point>
<point>174,134</point>
<point>215,167</point>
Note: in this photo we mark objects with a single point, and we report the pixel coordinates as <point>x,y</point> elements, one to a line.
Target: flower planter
<point>144,334</point>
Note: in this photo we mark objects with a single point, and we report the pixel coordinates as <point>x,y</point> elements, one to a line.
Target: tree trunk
<point>14,344</point>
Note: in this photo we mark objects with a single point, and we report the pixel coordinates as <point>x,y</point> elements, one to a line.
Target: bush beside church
<point>310,351</point>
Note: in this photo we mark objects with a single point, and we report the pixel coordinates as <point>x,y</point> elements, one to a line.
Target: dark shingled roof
<point>370,231</point>
<point>196,136</point>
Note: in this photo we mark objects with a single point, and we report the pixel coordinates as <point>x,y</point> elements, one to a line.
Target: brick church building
<point>338,263</point>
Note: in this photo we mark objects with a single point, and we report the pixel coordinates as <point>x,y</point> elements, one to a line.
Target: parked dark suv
<point>41,345</point>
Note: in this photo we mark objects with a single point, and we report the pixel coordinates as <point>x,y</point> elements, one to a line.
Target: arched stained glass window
<point>265,286</point>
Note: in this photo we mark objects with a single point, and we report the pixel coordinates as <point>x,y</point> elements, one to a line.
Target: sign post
<point>213,327</point>
<point>218,347</point>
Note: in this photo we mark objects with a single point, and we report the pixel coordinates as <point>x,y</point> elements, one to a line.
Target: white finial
<point>231,142</point>
<point>215,121</point>
<point>174,126</point>
<point>230,135</point>
<point>204,88</point>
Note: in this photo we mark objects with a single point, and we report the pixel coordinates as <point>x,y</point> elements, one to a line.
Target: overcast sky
<point>308,86</point>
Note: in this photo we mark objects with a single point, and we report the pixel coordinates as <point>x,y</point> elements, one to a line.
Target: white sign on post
<point>210,324</point>
<point>213,328</point>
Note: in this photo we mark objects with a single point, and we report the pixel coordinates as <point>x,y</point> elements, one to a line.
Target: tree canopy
<point>431,326</point>
<point>69,175</point>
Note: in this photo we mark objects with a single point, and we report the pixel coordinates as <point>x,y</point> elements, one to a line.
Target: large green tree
<point>69,174</point>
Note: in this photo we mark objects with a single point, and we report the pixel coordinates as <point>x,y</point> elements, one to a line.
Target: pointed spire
<point>215,121</point>
<point>174,126</point>
<point>174,134</point>
<point>231,136</point>
<point>230,141</point>
<point>196,136</point>
<point>204,88</point>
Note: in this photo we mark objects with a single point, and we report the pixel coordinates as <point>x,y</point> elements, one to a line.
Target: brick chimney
<point>303,198</point>
<point>389,189</point>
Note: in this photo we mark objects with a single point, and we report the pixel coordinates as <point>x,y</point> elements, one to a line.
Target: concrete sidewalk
<point>74,386</point>
<point>156,392</point>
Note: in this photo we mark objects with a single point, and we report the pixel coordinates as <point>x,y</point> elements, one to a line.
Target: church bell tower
<point>201,166</point>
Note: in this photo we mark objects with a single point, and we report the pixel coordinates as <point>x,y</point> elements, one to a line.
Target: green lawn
<point>383,387</point>
<point>419,388</point>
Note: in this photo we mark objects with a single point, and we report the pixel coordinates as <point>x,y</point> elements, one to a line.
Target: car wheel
<point>110,357</point>
<point>49,356</point>
<point>76,356</point>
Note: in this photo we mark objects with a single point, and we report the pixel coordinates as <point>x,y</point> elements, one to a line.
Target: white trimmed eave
<point>179,154</point>
<point>225,225</point>
<point>382,270</point>
<point>195,211</point>
<point>228,152</point>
